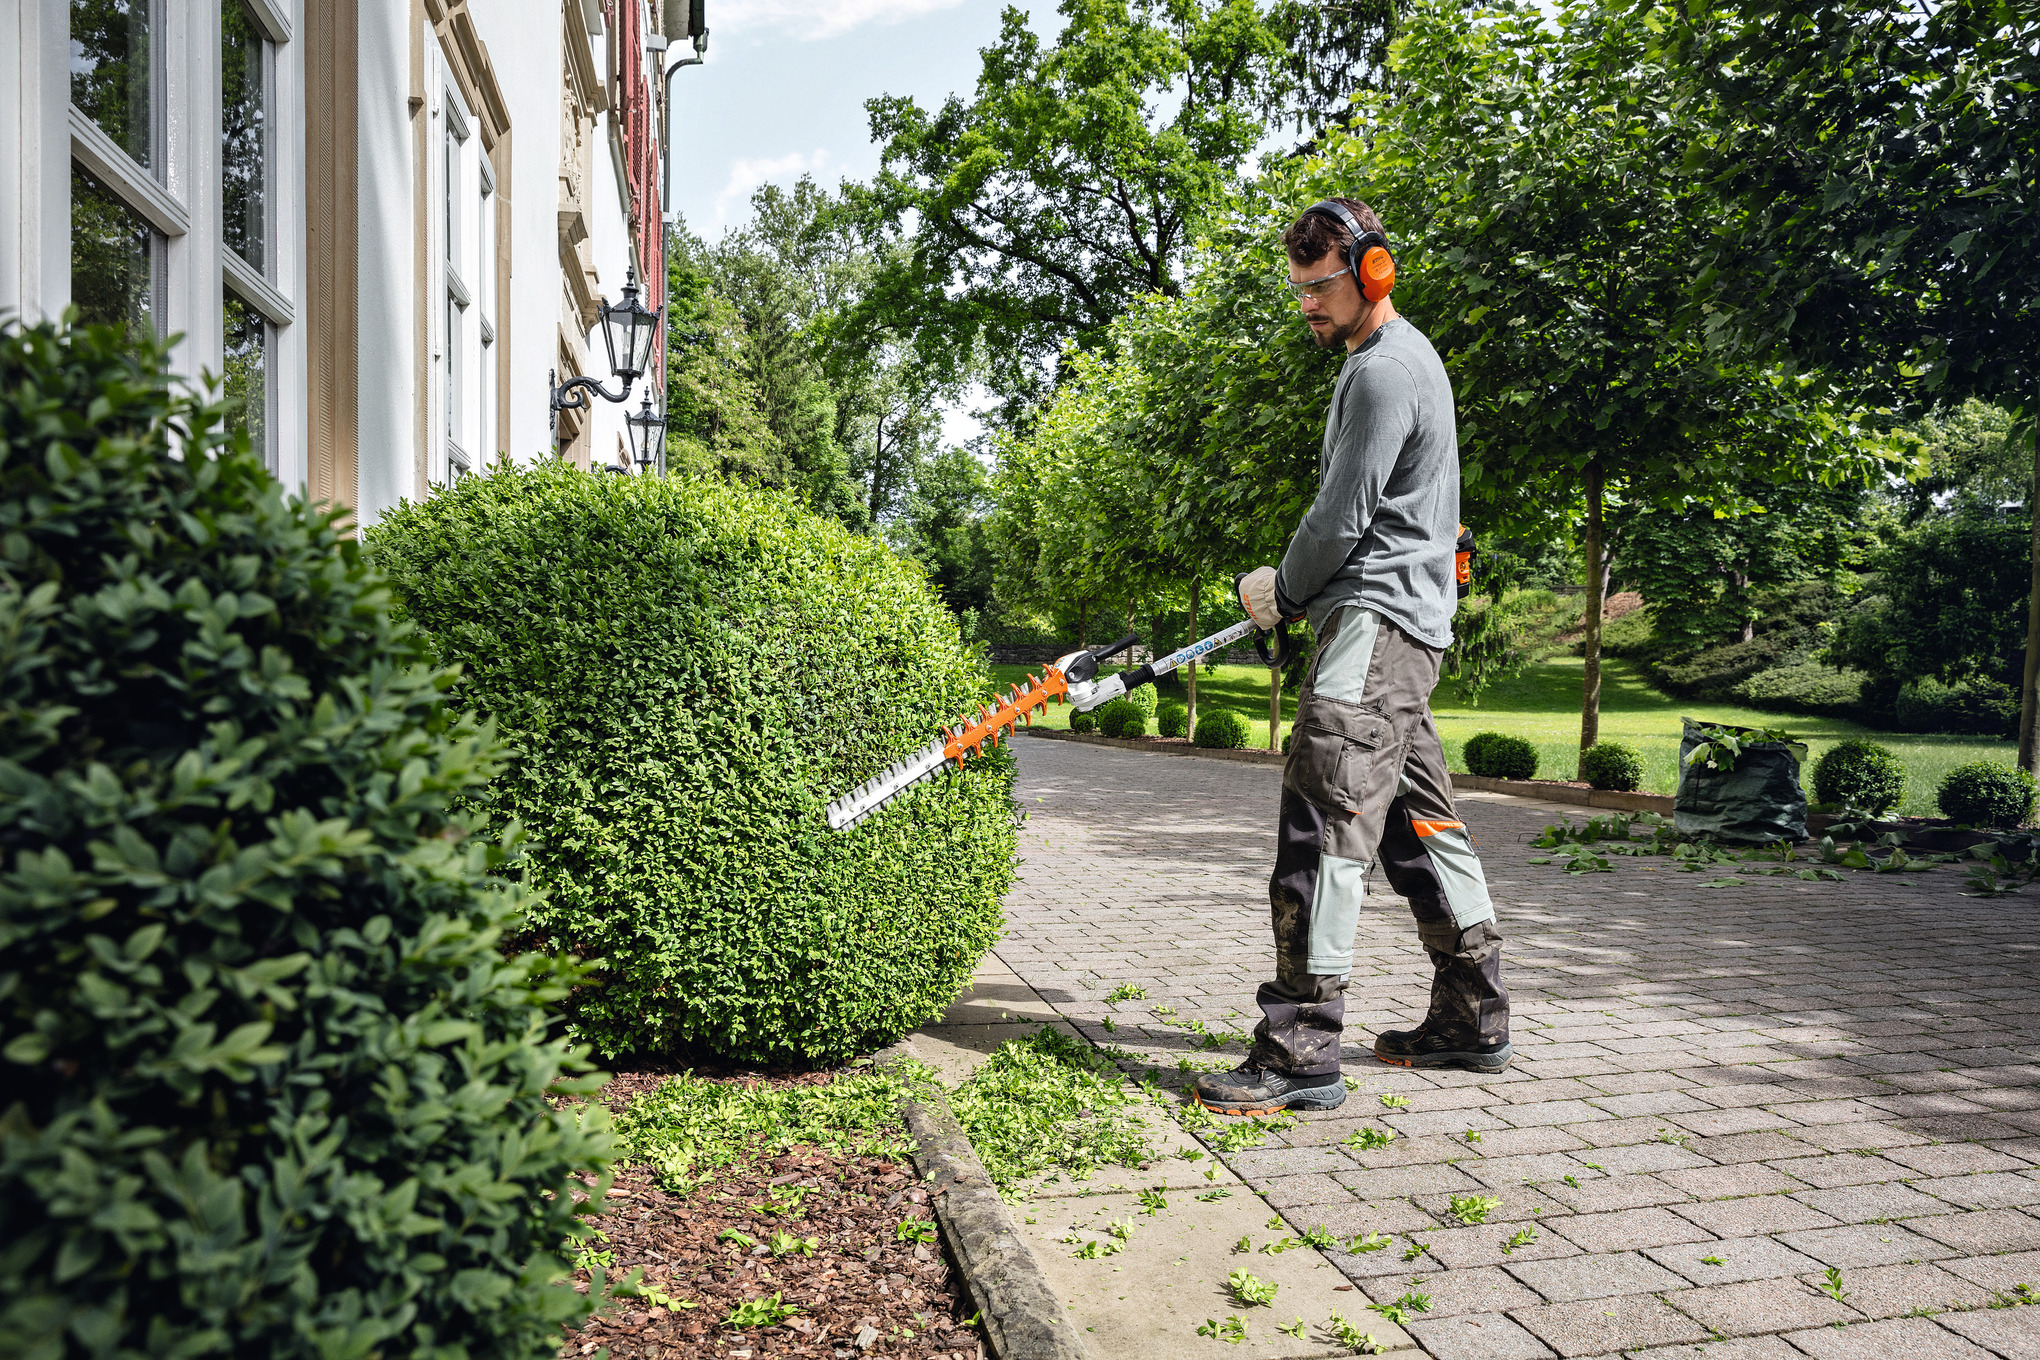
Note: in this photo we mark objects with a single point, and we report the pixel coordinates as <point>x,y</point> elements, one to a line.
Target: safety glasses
<point>1312,287</point>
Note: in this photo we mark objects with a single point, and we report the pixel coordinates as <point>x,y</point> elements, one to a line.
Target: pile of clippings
<point>807,1253</point>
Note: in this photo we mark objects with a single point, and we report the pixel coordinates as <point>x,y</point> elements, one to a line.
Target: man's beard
<point>1336,336</point>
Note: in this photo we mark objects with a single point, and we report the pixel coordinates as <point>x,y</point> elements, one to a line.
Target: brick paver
<point>1719,1093</point>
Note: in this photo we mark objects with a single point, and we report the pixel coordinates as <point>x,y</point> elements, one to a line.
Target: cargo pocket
<point>1331,746</point>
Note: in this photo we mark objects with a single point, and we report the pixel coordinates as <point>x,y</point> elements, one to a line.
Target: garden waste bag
<point>1757,801</point>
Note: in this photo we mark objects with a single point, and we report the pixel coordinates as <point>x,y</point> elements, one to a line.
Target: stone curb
<point>1023,1318</point>
<point>1522,788</point>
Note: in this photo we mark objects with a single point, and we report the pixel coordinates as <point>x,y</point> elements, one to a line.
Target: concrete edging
<point>1521,788</point>
<point>1023,1318</point>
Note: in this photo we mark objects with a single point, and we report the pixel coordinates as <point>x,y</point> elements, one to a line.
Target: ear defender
<point>1377,273</point>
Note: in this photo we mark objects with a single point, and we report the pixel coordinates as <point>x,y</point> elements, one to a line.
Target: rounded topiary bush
<point>1115,718</point>
<point>1220,729</point>
<point>1985,793</point>
<point>1609,765</point>
<point>1497,755</point>
<point>688,672</point>
<point>1171,718</point>
<point>1859,774</point>
<point>1084,722</point>
<point>272,1087</point>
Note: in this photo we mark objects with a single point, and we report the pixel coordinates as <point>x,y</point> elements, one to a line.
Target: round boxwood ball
<point>1497,755</point>
<point>1985,793</point>
<point>1612,766</point>
<point>1221,729</point>
<point>1114,717</point>
<point>687,671</point>
<point>1171,718</point>
<point>1084,722</point>
<point>1859,774</point>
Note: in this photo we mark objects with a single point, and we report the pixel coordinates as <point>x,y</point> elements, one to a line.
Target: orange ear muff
<point>1377,273</point>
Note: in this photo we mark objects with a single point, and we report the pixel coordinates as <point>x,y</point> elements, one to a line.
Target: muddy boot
<point>1249,1089</point>
<point>1468,1023</point>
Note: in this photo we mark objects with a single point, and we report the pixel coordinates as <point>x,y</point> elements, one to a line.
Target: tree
<point>1881,191</point>
<point>1074,182</point>
<point>944,530</point>
<point>1530,167</point>
<point>1704,571</point>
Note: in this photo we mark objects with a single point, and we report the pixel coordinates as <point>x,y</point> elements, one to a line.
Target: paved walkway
<point>1719,1093</point>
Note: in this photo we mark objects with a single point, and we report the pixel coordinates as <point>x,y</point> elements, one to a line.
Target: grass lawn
<point>1543,705</point>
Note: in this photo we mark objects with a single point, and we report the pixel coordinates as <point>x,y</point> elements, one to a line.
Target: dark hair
<point>1315,235</point>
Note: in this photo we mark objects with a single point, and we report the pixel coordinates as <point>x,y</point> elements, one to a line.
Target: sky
<point>783,91</point>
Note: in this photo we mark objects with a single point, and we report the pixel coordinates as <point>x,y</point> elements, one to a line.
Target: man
<point>1372,564</point>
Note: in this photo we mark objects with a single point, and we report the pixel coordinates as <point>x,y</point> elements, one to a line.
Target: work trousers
<point>1366,784</point>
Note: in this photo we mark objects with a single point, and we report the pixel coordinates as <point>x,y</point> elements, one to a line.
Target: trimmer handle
<point>1284,648</point>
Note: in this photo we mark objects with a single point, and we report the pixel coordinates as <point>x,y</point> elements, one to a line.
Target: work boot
<point>1430,1045</point>
<point>1252,1089</point>
<point>1468,1022</point>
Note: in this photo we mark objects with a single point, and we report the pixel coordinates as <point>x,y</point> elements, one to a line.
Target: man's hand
<point>1257,597</point>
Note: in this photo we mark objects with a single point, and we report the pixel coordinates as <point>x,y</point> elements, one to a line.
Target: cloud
<point>812,19</point>
<point>747,175</point>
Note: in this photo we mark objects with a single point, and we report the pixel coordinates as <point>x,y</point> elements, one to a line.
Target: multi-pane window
<point>485,310</point>
<point>117,254</point>
<point>456,153</point>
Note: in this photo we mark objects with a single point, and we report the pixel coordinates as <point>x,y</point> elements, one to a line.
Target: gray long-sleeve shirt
<point>1385,523</point>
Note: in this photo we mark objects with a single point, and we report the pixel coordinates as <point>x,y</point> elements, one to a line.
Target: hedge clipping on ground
<point>689,671</point>
<point>272,1088</point>
<point>1859,774</point>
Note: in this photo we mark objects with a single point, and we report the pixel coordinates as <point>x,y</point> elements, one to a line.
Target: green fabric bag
<point>1757,802</point>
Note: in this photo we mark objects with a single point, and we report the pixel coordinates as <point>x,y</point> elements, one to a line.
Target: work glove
<point>1257,597</point>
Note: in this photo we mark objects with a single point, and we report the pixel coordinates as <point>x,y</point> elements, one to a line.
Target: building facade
<point>379,224</point>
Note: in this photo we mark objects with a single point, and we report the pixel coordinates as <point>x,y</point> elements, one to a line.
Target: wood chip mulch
<point>863,1292</point>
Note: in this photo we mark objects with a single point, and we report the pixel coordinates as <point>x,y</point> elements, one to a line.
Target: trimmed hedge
<point>1221,729</point>
<point>1084,722</point>
<point>1497,755</point>
<point>1985,793</point>
<point>1860,774</point>
<point>1171,718</point>
<point>689,671</point>
<point>1612,766</point>
<point>273,1090</point>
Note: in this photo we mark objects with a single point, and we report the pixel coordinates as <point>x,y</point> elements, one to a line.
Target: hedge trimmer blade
<point>952,748</point>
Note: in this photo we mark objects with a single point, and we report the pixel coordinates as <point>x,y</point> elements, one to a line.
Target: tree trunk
<point>1274,708</point>
<point>1590,644</point>
<point>2029,686</point>
<point>1084,624</point>
<point>1190,671</point>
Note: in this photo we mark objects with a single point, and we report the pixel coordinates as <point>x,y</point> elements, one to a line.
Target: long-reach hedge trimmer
<point>1072,677</point>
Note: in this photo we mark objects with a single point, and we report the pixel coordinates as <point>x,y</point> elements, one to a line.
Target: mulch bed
<point>863,1292</point>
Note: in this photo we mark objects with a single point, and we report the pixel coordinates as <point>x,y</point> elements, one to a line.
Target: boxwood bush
<point>1084,722</point>
<point>1220,729</point>
<point>271,1087</point>
<point>1171,718</point>
<point>1612,766</point>
<point>1985,793</point>
<point>1859,774</point>
<point>689,672</point>
<point>1122,718</point>
<point>1497,755</point>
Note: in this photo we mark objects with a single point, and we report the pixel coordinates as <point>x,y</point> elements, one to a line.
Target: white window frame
<point>182,197</point>
<point>453,409</point>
